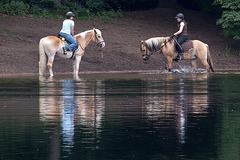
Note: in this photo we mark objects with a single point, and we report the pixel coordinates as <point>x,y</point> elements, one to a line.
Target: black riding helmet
<point>69,15</point>
<point>180,15</point>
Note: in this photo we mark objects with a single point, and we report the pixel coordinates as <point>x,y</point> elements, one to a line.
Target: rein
<point>165,42</point>
<point>81,47</point>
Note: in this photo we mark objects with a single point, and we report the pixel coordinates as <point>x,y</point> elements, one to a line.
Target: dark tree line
<point>227,10</point>
<point>112,4</point>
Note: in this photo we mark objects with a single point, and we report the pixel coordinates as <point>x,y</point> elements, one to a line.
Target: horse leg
<point>169,64</point>
<point>194,65</point>
<point>206,66</point>
<point>204,61</point>
<point>49,64</point>
<point>76,64</point>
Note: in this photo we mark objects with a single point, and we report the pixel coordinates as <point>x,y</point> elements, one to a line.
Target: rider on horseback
<point>68,32</point>
<point>181,35</point>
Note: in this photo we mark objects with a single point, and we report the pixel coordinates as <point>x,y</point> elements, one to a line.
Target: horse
<point>51,45</point>
<point>166,46</point>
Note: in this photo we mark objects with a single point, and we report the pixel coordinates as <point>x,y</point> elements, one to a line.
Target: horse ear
<point>94,29</point>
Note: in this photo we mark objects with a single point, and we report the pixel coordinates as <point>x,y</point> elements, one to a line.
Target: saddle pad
<point>187,46</point>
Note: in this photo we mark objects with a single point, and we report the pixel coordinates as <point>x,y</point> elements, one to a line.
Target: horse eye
<point>99,36</point>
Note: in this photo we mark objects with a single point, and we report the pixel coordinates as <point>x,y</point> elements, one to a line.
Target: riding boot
<point>177,58</point>
<point>66,51</point>
<point>180,56</point>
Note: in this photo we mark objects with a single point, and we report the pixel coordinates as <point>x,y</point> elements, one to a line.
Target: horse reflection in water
<point>65,102</point>
<point>176,101</point>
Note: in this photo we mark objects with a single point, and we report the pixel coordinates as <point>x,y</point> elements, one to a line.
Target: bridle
<point>147,55</point>
<point>99,42</point>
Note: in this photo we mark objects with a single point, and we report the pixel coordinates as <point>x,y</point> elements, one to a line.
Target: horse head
<point>98,38</point>
<point>145,51</point>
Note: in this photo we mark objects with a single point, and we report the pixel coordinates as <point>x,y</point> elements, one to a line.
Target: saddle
<point>66,43</point>
<point>187,46</point>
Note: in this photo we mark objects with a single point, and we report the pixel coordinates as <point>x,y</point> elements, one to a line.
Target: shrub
<point>230,20</point>
<point>14,8</point>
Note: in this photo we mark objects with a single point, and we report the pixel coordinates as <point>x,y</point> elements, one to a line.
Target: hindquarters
<point>42,57</point>
<point>48,46</point>
<point>201,50</point>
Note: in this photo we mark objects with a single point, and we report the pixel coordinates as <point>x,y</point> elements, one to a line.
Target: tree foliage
<point>230,20</point>
<point>14,8</point>
<point>81,8</point>
<point>229,9</point>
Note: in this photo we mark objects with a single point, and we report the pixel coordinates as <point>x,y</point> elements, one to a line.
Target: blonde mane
<point>154,44</point>
<point>83,34</point>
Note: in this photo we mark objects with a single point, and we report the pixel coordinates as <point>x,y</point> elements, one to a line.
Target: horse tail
<point>209,59</point>
<point>42,58</point>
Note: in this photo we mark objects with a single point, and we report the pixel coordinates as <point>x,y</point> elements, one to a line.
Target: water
<point>121,116</point>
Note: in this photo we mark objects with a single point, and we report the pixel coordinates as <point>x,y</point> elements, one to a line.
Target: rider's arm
<point>180,30</point>
<point>72,30</point>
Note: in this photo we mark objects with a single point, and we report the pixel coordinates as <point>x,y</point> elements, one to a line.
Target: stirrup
<point>66,52</point>
<point>181,57</point>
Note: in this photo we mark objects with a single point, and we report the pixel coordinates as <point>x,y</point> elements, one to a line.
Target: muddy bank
<point>19,37</point>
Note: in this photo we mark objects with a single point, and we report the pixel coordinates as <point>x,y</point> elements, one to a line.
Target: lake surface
<point>135,116</point>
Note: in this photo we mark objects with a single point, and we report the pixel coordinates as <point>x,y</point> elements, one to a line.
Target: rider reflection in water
<point>181,112</point>
<point>68,115</point>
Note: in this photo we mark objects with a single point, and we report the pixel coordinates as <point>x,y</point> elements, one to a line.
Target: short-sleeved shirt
<point>182,24</point>
<point>66,27</point>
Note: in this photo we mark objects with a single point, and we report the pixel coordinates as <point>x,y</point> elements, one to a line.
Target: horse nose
<point>145,58</point>
<point>103,45</point>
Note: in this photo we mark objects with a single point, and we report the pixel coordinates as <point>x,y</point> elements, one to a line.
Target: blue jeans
<point>70,39</point>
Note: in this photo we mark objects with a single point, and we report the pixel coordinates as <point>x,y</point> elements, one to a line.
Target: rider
<point>68,31</point>
<point>181,34</point>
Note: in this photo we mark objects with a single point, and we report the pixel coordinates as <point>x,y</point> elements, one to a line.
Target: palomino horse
<point>166,46</point>
<point>51,46</point>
